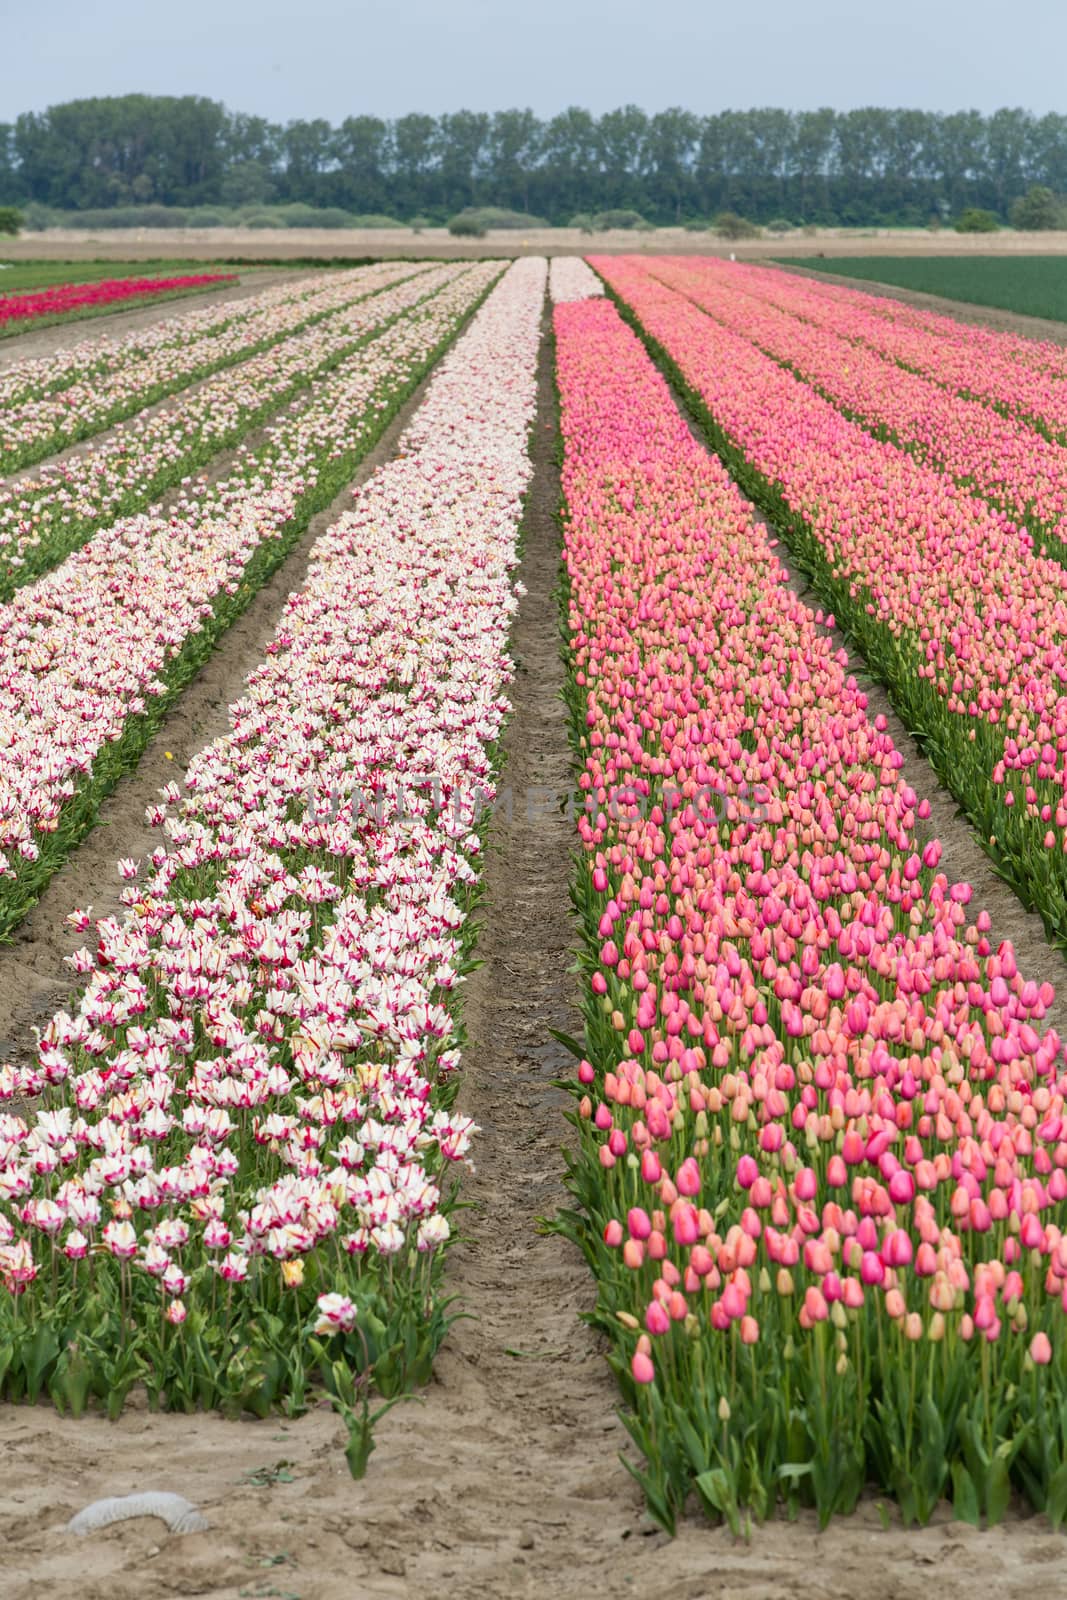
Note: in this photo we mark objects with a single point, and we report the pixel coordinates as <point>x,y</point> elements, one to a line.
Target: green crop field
<point>1034,285</point>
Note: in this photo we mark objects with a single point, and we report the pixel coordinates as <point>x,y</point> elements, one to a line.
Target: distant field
<point>17,277</point>
<point>1036,286</point>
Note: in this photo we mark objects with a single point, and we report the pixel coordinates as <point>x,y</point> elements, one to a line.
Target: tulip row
<point>43,519</point>
<point>237,1184</point>
<point>105,354</point>
<point>50,402</point>
<point>571,278</point>
<point>946,598</point>
<point>92,654</point>
<point>67,297</point>
<point>998,457</point>
<point>822,1141</point>
<point>1021,377</point>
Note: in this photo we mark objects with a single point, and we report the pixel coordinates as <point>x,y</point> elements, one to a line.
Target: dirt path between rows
<point>964,311</point>
<point>112,327</point>
<point>503,1478</point>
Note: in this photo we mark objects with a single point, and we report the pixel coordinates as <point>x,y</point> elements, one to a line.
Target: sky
<point>314,59</point>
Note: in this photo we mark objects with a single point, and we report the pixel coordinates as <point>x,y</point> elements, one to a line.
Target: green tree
<point>364,150</point>
<point>621,137</point>
<point>414,137</point>
<point>975,220</point>
<point>671,144</point>
<point>1037,210</point>
<point>461,142</point>
<point>513,152</point>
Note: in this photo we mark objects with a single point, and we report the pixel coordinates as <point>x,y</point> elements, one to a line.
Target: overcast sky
<point>309,58</point>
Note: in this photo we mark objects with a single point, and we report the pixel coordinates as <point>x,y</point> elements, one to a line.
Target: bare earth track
<point>502,1479</point>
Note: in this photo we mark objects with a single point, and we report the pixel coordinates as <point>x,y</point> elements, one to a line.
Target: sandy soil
<point>503,1477</point>
<point>61,335</point>
<point>273,244</point>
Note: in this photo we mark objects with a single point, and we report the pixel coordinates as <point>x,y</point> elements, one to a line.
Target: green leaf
<point>40,1352</point>
<point>1056,1500</point>
<point>997,1490</point>
<point>577,1050</point>
<point>964,1495</point>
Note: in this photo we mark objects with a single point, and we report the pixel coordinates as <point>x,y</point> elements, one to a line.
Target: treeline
<point>862,167</point>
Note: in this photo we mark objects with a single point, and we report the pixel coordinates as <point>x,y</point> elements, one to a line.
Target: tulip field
<point>817,1160</point>
<point>86,299</point>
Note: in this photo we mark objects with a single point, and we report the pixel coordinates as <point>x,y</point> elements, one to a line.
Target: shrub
<point>1037,210</point>
<point>466,226</point>
<point>38,217</point>
<point>584,222</point>
<point>696,225</point>
<point>728,225</point>
<point>373,219</point>
<point>779,225</point>
<point>618,219</point>
<point>417,224</point>
<point>974,220</point>
<point>11,220</point>
<point>489,217</point>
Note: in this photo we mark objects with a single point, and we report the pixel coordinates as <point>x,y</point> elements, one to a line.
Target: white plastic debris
<point>180,1515</point>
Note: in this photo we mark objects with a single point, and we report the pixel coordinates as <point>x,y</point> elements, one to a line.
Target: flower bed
<point>43,519</point>
<point>996,456</point>
<point>823,1156</point>
<point>1022,376</point>
<point>48,402</point>
<point>237,1182</point>
<point>93,653</point>
<point>950,604</point>
<point>65,297</point>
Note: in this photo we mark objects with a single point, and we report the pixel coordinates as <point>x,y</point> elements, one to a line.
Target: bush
<point>974,220</point>
<point>696,225</point>
<point>373,219</point>
<point>779,225</point>
<point>490,217</point>
<point>605,220</point>
<point>464,226</point>
<point>11,220</point>
<point>1037,211</point>
<point>584,222</point>
<point>417,224</point>
<point>728,225</point>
